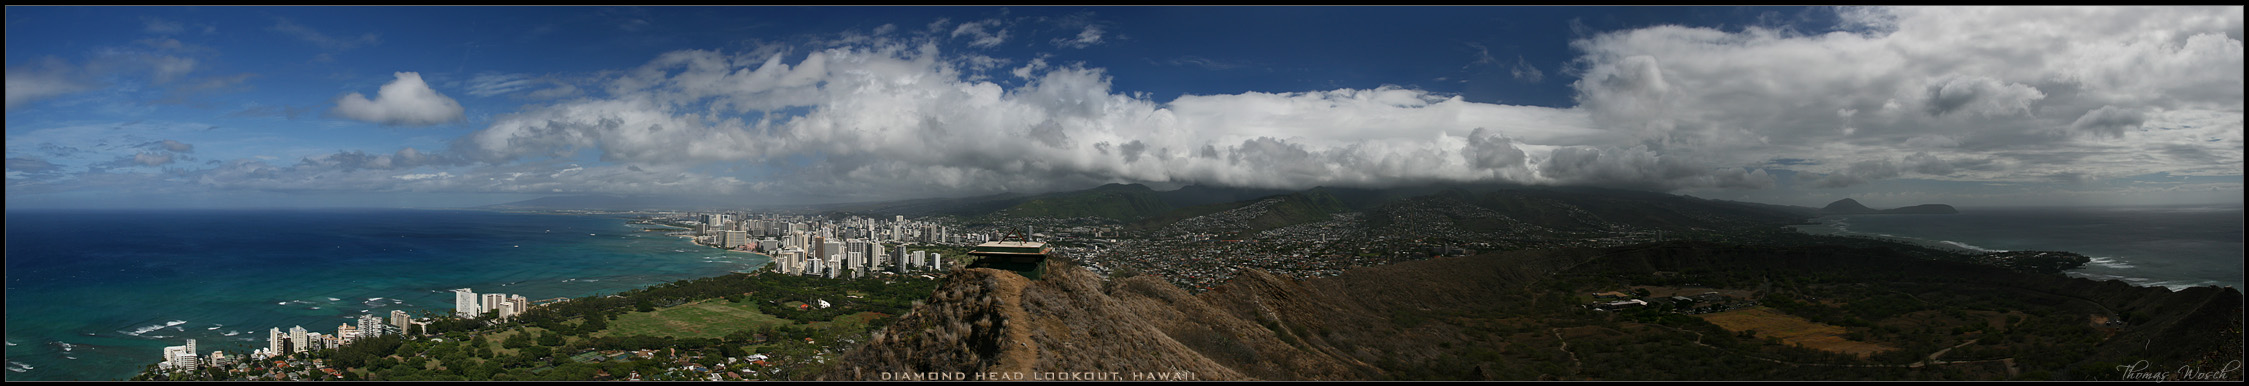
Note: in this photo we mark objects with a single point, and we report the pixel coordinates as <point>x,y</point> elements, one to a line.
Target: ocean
<point>2168,246</point>
<point>96,295</point>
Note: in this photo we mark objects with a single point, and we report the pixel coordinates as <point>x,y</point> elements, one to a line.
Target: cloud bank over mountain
<point>2002,95</point>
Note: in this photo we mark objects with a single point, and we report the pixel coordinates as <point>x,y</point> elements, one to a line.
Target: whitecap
<point>19,366</point>
<point>314,308</point>
<point>1969,247</point>
<point>154,327</point>
<point>65,346</point>
<point>2109,263</point>
<point>333,299</point>
<point>232,333</point>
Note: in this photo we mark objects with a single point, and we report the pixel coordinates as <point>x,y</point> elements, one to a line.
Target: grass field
<point>1792,329</point>
<point>704,319</point>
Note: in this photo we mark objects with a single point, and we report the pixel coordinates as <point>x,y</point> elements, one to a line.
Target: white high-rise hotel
<point>465,303</point>
<point>470,304</point>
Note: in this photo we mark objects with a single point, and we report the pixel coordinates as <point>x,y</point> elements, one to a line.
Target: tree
<point>550,339</point>
<point>520,340</point>
<point>593,324</point>
<point>645,306</point>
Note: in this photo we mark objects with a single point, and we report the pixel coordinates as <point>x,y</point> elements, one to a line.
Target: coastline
<point>2143,246</point>
<point>124,320</point>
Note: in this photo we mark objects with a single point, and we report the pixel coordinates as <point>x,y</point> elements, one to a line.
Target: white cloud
<point>152,159</point>
<point>331,43</point>
<point>2030,95</point>
<point>161,26</point>
<point>2014,89</point>
<point>977,34</point>
<point>1091,36</point>
<point>422,176</point>
<point>892,118</point>
<point>405,101</point>
<point>45,78</point>
<point>1525,71</point>
<point>489,84</point>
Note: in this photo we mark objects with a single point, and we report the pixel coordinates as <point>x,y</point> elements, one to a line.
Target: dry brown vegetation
<point>1257,326</point>
<point>1486,317</point>
<point>1792,329</point>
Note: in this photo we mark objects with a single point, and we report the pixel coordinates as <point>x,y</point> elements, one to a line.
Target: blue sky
<point>455,106</point>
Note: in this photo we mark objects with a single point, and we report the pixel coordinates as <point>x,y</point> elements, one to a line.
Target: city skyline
<point>463,106</point>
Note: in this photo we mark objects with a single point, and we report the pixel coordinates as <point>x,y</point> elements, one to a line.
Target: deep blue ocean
<point>2169,246</point>
<point>95,295</point>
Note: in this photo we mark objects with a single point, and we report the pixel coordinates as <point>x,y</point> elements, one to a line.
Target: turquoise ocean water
<point>95,295</point>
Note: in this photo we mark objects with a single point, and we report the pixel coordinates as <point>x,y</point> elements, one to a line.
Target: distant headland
<point>1849,206</point>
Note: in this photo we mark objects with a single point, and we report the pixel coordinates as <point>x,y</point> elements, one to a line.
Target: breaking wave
<point>147,329</point>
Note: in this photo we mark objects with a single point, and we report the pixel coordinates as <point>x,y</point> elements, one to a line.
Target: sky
<point>235,107</point>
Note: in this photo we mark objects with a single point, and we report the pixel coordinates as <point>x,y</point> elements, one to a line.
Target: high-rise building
<point>398,320</point>
<point>490,303</point>
<point>275,342</point>
<point>180,357</point>
<point>297,338</point>
<point>819,247</point>
<point>857,263</point>
<point>370,326</point>
<point>347,333</point>
<point>880,260</point>
<point>522,303</point>
<point>507,310</point>
<point>464,303</point>
<point>734,239</point>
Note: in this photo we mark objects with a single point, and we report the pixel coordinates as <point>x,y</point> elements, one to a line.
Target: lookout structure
<point>1027,258</point>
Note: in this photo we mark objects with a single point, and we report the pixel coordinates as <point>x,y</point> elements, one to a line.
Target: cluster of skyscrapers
<point>298,340</point>
<point>469,304</point>
<point>855,246</point>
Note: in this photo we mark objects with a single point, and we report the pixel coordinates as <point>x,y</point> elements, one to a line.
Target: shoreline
<point>94,351</point>
<point>2100,266</point>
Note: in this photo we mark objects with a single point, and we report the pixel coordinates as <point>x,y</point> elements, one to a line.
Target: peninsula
<point>1849,206</point>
